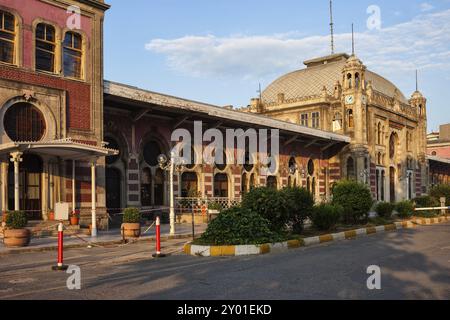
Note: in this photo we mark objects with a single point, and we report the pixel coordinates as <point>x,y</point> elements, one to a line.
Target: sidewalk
<point>110,237</point>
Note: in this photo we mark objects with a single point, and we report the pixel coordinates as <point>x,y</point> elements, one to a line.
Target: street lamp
<point>169,165</point>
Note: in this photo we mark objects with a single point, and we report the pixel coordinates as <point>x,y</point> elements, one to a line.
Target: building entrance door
<point>30,173</point>
<point>392,184</point>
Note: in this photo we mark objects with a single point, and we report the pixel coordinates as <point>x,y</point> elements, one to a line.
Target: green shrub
<point>326,216</point>
<point>215,206</point>
<point>384,209</point>
<point>355,198</point>
<point>404,209</point>
<point>238,226</point>
<point>270,203</point>
<point>426,201</point>
<point>131,215</point>
<point>16,220</point>
<point>299,202</point>
<point>442,190</point>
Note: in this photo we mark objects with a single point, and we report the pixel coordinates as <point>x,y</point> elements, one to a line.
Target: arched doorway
<point>30,170</point>
<point>146,187</point>
<point>221,185</point>
<point>159,187</point>
<point>272,182</point>
<point>392,183</point>
<point>113,190</point>
<point>189,184</point>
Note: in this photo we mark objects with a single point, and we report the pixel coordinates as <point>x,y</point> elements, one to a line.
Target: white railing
<point>186,204</point>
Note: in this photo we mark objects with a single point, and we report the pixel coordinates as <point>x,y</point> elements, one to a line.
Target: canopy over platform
<point>66,149</point>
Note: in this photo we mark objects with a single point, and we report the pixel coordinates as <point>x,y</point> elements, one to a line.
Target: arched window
<point>252,181</point>
<point>189,184</point>
<point>392,145</point>
<point>272,182</point>
<point>73,54</point>
<point>349,80</point>
<point>221,164</point>
<point>7,37</point>
<point>434,153</point>
<point>151,153</point>
<point>45,47</point>
<point>337,121</point>
<point>221,185</point>
<point>379,133</point>
<point>244,183</point>
<point>350,118</point>
<point>351,172</point>
<point>146,187</point>
<point>112,144</point>
<point>357,81</point>
<point>24,122</point>
<point>310,167</point>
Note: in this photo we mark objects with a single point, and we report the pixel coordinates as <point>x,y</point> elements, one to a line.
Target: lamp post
<point>169,165</point>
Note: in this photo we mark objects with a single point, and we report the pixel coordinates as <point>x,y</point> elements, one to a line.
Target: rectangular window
<point>45,47</point>
<point>72,55</point>
<point>7,37</point>
<point>304,119</point>
<point>315,120</point>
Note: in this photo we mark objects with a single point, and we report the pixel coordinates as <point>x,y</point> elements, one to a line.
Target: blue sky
<point>217,51</point>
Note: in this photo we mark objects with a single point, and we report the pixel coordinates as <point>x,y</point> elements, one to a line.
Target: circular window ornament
<point>24,122</point>
<point>311,167</point>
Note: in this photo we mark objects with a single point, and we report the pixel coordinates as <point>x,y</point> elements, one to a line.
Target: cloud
<point>423,42</point>
<point>425,6</point>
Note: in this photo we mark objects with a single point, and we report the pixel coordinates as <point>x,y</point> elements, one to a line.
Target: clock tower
<point>355,105</point>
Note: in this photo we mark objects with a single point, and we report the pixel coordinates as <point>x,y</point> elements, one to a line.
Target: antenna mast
<point>353,42</point>
<point>331,27</point>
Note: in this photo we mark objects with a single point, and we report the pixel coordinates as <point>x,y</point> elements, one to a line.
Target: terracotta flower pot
<point>17,238</point>
<point>74,221</point>
<point>131,230</point>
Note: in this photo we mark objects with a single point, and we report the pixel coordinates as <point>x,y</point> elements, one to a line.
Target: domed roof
<point>319,73</point>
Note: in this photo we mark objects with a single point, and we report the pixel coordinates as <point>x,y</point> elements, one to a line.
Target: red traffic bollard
<point>158,253</point>
<point>60,266</point>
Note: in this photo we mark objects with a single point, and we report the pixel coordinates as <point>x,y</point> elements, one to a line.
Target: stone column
<point>16,158</point>
<point>93,199</point>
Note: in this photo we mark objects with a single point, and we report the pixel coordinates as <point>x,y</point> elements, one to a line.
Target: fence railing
<point>183,204</point>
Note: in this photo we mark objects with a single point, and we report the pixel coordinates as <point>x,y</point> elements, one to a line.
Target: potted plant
<point>131,226</point>
<point>75,217</point>
<point>16,235</point>
<point>51,215</point>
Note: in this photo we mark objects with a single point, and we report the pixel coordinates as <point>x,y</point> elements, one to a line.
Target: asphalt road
<point>415,264</point>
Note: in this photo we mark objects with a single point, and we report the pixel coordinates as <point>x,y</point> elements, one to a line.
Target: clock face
<point>349,99</point>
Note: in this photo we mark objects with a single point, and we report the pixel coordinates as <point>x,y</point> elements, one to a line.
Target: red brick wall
<point>78,93</point>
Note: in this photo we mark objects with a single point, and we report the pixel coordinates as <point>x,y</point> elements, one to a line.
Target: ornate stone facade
<point>338,93</point>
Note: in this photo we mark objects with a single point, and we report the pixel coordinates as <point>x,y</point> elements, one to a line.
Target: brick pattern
<point>78,93</point>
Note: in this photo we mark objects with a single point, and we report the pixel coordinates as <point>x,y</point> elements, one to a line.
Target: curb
<point>246,250</point>
<point>84,244</point>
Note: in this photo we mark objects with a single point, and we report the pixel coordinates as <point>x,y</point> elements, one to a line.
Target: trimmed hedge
<point>404,209</point>
<point>271,204</point>
<point>300,203</point>
<point>355,198</point>
<point>238,226</point>
<point>326,216</point>
<point>384,209</point>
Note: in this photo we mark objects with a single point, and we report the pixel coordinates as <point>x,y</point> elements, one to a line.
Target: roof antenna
<point>331,27</point>
<point>417,82</point>
<point>259,92</point>
<point>353,42</point>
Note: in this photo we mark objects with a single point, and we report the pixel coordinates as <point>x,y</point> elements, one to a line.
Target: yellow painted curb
<point>350,234</point>
<point>371,230</point>
<point>187,248</point>
<point>292,244</point>
<point>264,248</point>
<point>220,251</point>
<point>326,238</point>
<point>390,227</point>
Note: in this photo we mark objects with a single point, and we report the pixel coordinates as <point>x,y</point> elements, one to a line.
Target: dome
<point>319,73</point>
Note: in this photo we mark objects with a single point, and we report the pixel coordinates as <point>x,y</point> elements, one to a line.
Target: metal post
<point>158,253</point>
<point>73,186</point>
<point>93,200</point>
<point>60,266</point>
<point>442,205</point>
<point>172,209</point>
